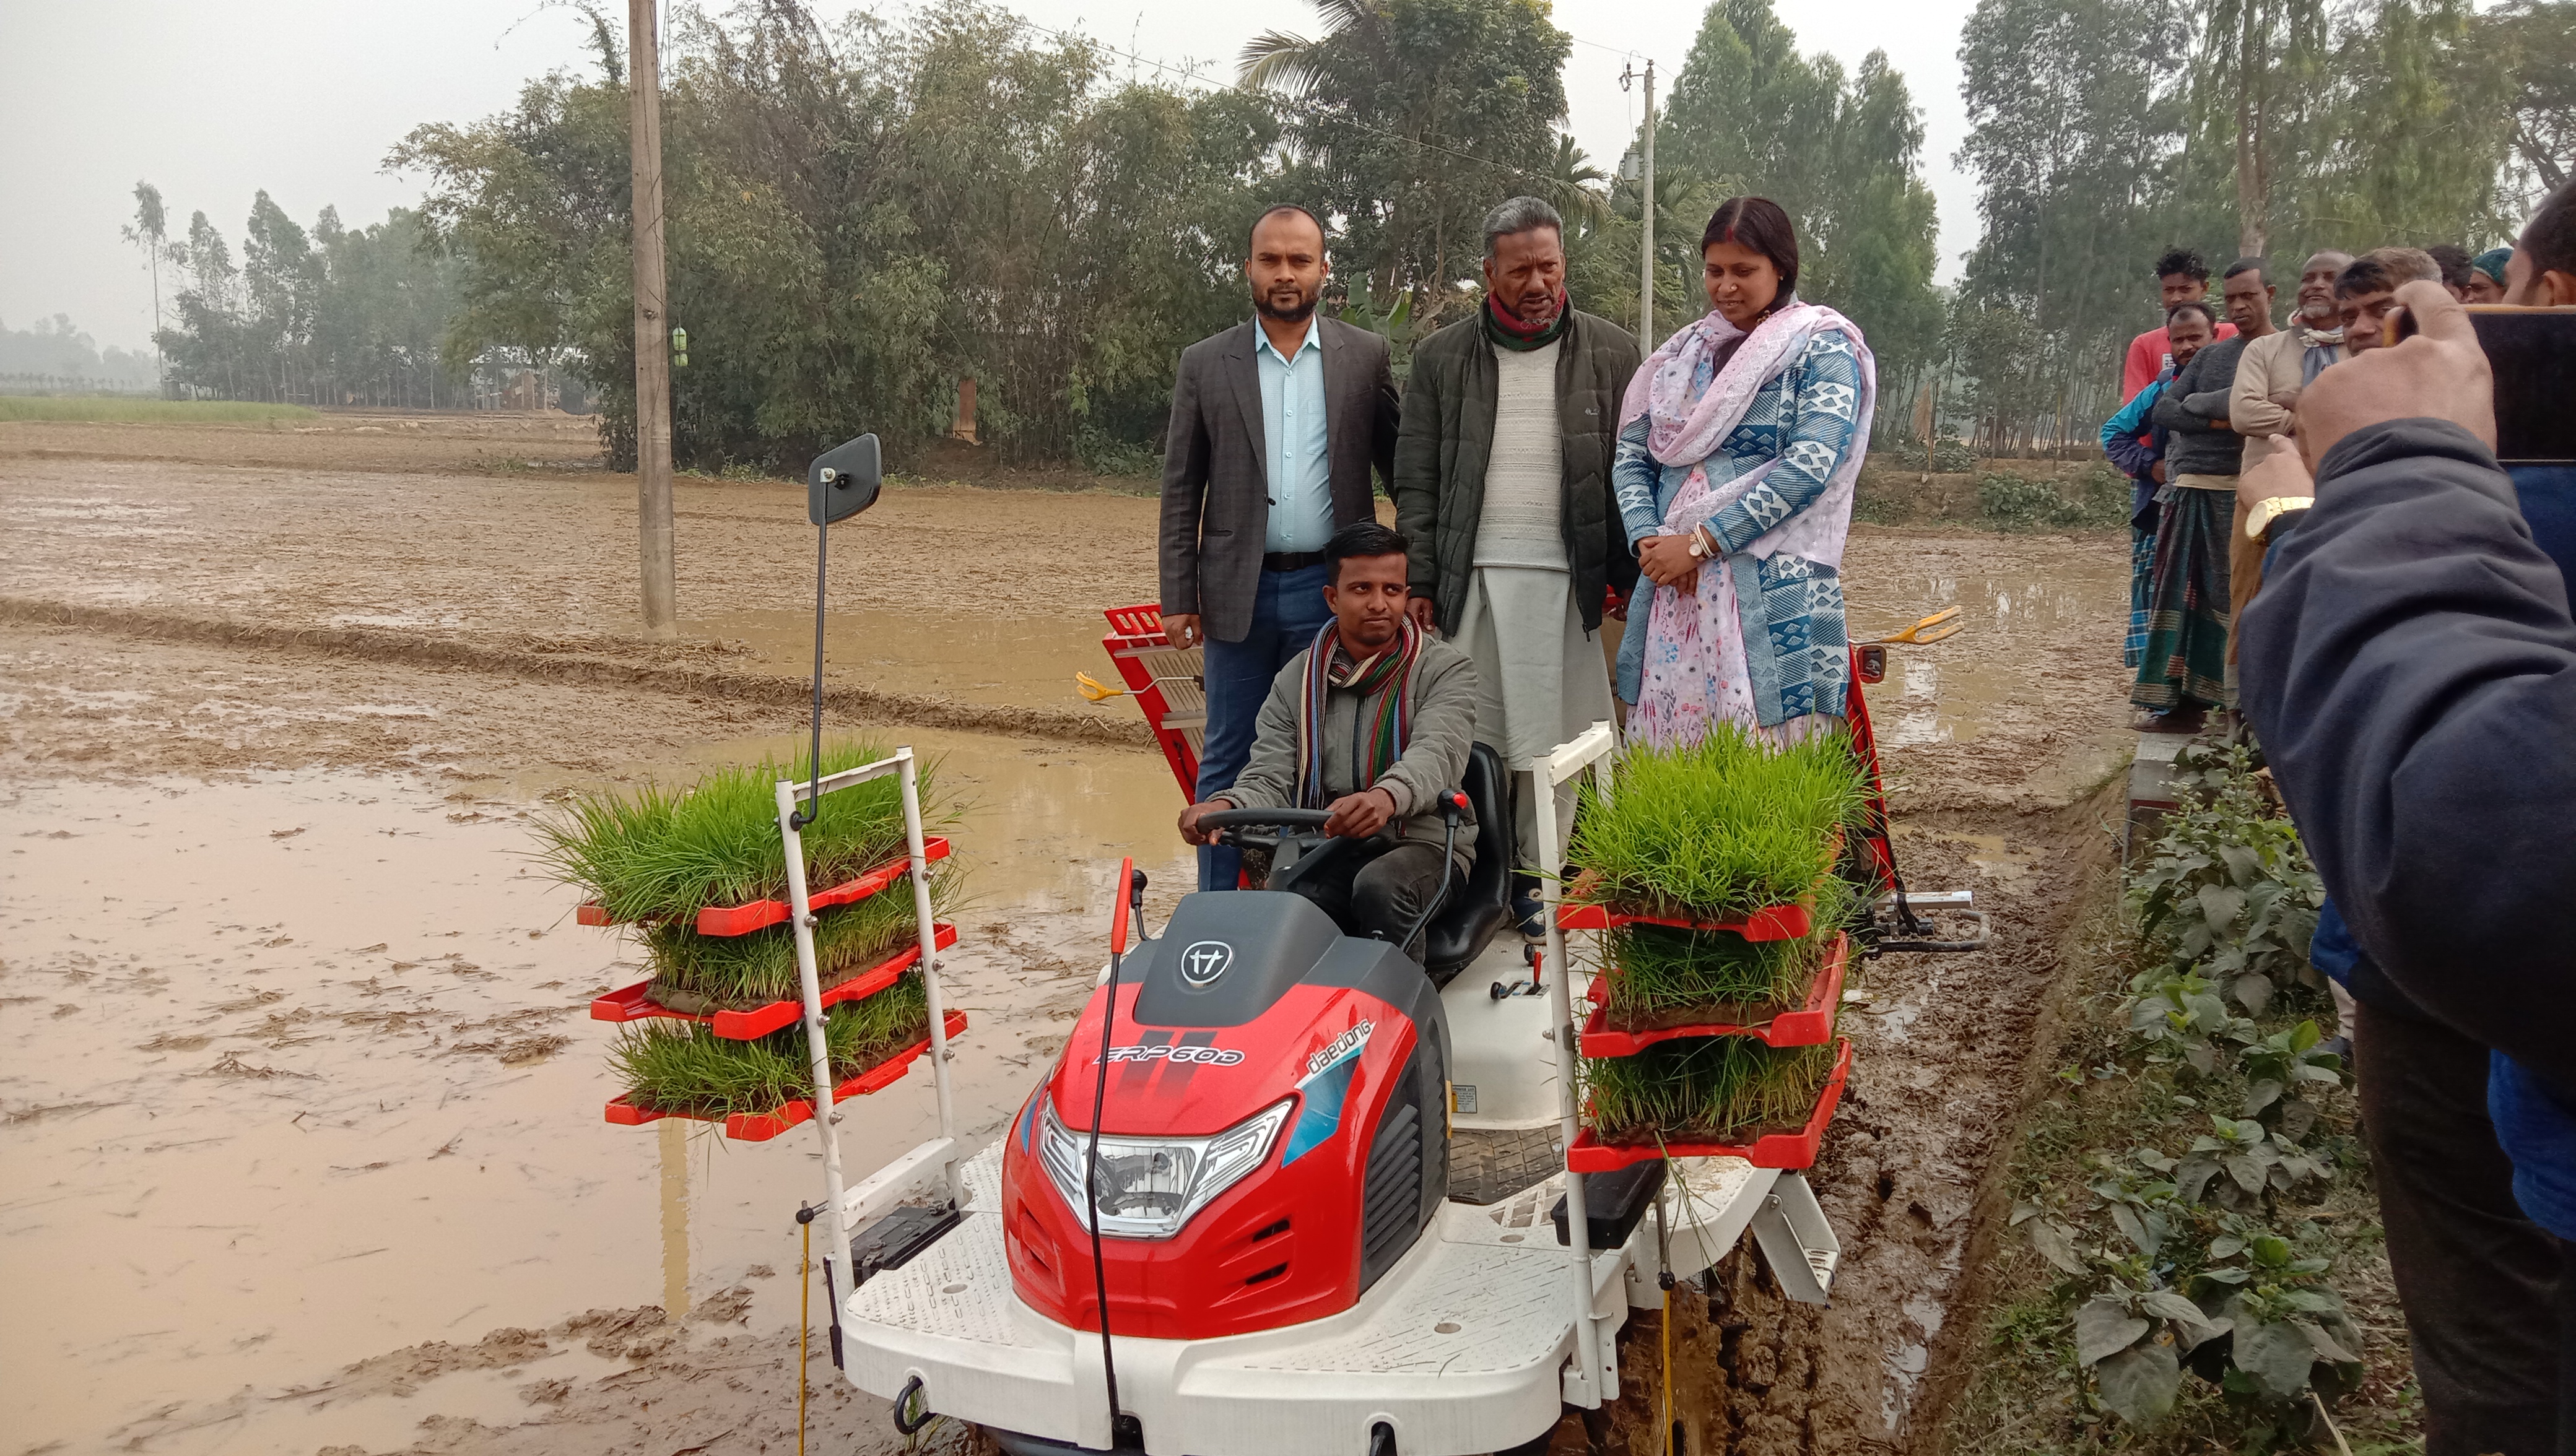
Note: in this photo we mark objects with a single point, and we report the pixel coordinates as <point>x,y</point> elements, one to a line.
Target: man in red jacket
<point>2180,278</point>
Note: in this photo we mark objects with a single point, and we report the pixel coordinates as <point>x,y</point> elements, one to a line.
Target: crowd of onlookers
<point>2335,507</point>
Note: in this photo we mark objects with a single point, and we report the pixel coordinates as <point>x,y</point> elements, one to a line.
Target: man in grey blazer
<point>1275,425</point>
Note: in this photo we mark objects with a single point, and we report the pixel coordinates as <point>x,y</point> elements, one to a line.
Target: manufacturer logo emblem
<point>1205,960</point>
<point>1341,1049</point>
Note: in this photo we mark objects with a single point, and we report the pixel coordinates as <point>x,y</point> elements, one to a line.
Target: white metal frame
<point>1593,1377</point>
<point>850,1205</point>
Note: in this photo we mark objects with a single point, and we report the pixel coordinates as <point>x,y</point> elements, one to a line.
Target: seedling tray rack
<point>761,914</point>
<point>760,1127</point>
<point>1811,1023</point>
<point>635,1002</point>
<point>1784,1150</point>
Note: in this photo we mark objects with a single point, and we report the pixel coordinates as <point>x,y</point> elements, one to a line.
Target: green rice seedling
<point>1727,1089</point>
<point>1658,973</point>
<point>700,974</point>
<point>1717,829</point>
<point>661,853</point>
<point>672,1066</point>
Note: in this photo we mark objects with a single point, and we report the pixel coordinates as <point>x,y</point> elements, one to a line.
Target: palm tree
<point>1291,64</point>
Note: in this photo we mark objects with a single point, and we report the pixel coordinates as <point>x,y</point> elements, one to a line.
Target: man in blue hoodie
<point>2410,666</point>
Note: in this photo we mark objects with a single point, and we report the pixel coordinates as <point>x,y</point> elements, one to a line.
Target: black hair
<point>1762,225</point>
<point>2192,305</point>
<point>2453,260</point>
<point>1276,208</point>
<point>2248,265</point>
<point>2550,236</point>
<point>2183,261</point>
<point>2381,270</point>
<point>1363,539</point>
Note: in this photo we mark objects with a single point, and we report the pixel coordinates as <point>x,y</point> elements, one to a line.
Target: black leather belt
<point>1290,560</point>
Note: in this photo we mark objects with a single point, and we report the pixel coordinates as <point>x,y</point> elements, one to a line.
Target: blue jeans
<point>1287,611</point>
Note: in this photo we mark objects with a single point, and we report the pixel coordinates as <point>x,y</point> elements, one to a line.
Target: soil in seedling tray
<point>1727,1096</point>
<point>1782,992</point>
<point>760,1088</point>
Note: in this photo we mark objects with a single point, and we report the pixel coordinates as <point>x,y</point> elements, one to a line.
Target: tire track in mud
<point>556,660</point>
<point>1950,1054</point>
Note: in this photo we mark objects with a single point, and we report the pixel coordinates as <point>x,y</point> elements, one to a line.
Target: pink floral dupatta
<point>1696,673</point>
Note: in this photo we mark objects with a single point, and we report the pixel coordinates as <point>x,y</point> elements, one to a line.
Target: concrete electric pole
<point>1646,339</point>
<point>652,324</point>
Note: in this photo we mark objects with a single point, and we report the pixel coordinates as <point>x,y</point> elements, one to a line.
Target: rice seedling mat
<point>636,1004</point>
<point>761,914</point>
<point>760,1127</point>
<point>1584,908</point>
<point>1810,1024</point>
<point>1788,1150</point>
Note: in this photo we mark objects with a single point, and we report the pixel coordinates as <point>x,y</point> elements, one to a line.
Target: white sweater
<point>1523,519</point>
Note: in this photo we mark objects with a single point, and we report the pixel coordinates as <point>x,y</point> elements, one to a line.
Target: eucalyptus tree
<point>1412,118</point>
<point>150,231</point>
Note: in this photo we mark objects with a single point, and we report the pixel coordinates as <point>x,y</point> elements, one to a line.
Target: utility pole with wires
<point>1646,340</point>
<point>652,322</point>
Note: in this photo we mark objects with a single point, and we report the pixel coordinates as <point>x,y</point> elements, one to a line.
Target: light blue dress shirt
<point>1292,433</point>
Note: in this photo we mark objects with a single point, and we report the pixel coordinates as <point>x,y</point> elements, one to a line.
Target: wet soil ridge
<point>585,661</point>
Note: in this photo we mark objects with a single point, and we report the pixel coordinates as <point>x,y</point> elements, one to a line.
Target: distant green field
<point>113,409</point>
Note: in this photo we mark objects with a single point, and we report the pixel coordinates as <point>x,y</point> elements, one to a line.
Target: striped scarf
<point>1385,674</point>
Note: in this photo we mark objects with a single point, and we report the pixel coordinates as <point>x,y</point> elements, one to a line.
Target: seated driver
<point>1373,723</point>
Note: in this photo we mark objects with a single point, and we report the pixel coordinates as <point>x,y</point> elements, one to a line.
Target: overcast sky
<point>304,97</point>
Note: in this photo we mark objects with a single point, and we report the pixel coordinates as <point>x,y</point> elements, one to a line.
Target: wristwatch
<point>2267,513</point>
<point>1699,544</point>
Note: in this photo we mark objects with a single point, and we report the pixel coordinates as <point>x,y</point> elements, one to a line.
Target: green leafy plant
<point>2228,891</point>
<point>1705,1089</point>
<point>2017,503</point>
<point>660,853</point>
<point>1717,829</point>
<point>676,1066</point>
<point>2180,1018</point>
<point>699,974</point>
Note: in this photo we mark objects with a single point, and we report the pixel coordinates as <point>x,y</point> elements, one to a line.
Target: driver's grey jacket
<point>1443,686</point>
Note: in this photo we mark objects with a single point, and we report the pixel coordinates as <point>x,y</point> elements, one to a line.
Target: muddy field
<point>297,1095</point>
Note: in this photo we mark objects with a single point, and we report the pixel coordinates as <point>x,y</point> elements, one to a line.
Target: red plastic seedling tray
<point>632,1004</point>
<point>760,1127</point>
<point>1787,1150</point>
<point>1812,1024</point>
<point>1772,922</point>
<point>761,914</point>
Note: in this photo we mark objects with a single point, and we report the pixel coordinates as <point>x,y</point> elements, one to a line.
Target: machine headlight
<point>1149,1187</point>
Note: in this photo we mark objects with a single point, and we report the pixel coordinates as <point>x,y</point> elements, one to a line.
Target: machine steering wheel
<point>1297,838</point>
<point>1227,826</point>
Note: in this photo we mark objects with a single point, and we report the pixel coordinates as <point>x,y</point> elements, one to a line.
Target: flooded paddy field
<point>299,1100</point>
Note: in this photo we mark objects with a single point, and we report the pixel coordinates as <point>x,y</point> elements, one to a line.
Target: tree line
<point>2106,131</point>
<point>330,315</point>
<point>861,216</point>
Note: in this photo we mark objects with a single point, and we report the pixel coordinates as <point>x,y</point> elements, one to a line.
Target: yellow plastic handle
<point>1094,689</point>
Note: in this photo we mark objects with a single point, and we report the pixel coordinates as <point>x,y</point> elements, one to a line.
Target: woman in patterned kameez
<point>1739,447</point>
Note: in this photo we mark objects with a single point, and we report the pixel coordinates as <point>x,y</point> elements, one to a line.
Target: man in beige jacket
<point>2264,401</point>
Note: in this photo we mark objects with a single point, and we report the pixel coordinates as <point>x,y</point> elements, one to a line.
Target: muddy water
<point>1953,691</point>
<point>1024,663</point>
<point>296,1070</point>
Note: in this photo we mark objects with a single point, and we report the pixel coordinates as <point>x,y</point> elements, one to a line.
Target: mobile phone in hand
<point>2532,352</point>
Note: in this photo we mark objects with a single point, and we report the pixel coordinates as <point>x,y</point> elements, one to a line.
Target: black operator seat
<point>1473,913</point>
